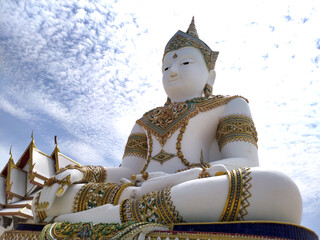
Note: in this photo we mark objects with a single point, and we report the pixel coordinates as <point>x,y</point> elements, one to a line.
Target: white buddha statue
<point>194,159</point>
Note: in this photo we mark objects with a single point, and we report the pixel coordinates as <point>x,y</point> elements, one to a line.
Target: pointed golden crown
<point>191,39</point>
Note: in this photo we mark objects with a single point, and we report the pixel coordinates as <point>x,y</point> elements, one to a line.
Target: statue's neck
<point>184,99</point>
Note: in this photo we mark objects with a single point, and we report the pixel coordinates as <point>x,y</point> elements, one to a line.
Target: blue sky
<point>85,71</point>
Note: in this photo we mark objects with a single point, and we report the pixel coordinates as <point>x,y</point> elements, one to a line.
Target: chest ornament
<point>163,156</point>
<point>163,122</point>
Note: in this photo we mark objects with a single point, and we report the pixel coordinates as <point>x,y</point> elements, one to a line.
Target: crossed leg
<point>271,196</point>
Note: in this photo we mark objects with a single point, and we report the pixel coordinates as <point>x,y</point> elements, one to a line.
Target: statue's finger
<point>124,180</point>
<point>138,178</point>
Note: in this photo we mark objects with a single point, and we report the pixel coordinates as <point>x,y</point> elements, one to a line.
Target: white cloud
<point>14,110</point>
<point>82,153</point>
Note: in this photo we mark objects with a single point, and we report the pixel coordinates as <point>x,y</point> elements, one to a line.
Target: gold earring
<point>168,102</point>
<point>207,90</point>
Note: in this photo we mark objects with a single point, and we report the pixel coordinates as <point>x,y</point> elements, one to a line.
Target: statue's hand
<point>57,186</point>
<point>140,178</point>
<point>217,170</point>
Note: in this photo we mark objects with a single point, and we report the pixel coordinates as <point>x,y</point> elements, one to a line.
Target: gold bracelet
<point>145,175</point>
<point>97,174</point>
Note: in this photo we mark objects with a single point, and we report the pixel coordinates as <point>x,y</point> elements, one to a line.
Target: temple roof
<point>19,182</point>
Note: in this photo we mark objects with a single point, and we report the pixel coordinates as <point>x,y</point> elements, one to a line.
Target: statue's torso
<point>184,135</point>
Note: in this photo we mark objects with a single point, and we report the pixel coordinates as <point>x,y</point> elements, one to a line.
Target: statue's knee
<point>275,197</point>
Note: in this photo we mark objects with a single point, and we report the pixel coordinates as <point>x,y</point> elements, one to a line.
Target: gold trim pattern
<point>154,207</point>
<point>232,128</point>
<point>93,195</point>
<point>164,121</point>
<point>136,146</point>
<point>237,196</point>
<point>245,193</point>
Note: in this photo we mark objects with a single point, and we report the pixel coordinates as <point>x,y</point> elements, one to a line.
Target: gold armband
<point>137,145</point>
<point>233,128</point>
<point>94,174</point>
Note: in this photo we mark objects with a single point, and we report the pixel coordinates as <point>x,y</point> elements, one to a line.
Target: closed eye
<point>185,63</point>
<point>167,68</point>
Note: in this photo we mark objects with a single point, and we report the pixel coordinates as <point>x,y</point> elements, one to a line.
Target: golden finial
<point>10,152</point>
<point>56,143</point>
<point>192,29</point>
<point>32,140</point>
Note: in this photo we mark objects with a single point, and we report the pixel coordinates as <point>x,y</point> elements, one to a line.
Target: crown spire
<point>192,29</point>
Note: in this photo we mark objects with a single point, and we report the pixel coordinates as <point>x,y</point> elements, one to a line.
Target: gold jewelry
<point>145,175</point>
<point>207,91</point>
<point>133,177</point>
<point>204,173</point>
<point>150,142</point>
<point>66,181</point>
<point>168,102</point>
<point>96,174</point>
<point>93,195</point>
<point>90,173</point>
<point>152,207</point>
<point>175,56</point>
<point>136,146</point>
<point>233,128</point>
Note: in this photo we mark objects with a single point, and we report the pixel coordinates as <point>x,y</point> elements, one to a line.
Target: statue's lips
<point>173,79</point>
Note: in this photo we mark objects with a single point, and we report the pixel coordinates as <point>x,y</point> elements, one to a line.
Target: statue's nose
<point>173,71</point>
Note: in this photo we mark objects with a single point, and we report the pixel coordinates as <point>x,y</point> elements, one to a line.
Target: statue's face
<point>184,74</point>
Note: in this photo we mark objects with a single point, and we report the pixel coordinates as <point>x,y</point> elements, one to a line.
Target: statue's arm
<point>237,137</point>
<point>134,157</point>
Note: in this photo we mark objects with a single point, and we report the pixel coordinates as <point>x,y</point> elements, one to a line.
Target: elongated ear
<point>212,77</point>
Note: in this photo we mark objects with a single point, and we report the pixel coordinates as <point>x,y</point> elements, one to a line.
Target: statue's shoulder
<point>219,100</point>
